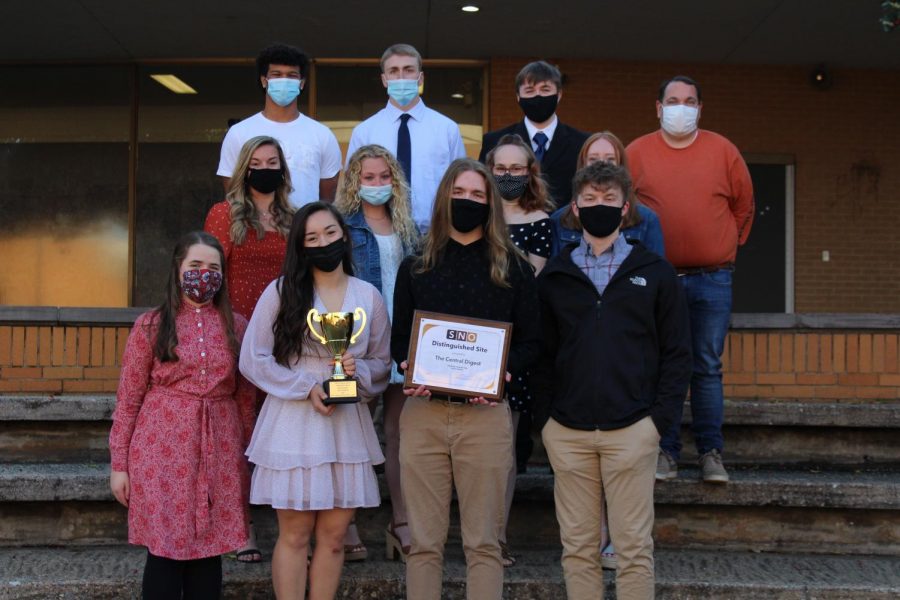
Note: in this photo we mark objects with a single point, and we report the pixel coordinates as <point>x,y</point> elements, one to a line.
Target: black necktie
<point>404,147</point>
<point>541,139</point>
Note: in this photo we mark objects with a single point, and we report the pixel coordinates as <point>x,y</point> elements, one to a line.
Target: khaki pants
<point>443,444</point>
<point>623,462</point>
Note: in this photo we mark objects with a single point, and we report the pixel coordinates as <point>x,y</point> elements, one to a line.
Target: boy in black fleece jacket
<point>618,359</point>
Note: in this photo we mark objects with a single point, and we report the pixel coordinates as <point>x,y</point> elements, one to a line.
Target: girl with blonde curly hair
<point>373,196</point>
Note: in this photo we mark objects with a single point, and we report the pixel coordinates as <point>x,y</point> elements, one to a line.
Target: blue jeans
<point>709,304</point>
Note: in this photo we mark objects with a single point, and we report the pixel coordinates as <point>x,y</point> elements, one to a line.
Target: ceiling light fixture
<point>173,84</point>
<point>470,8</point>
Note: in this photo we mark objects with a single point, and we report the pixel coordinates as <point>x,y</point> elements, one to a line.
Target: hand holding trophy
<point>337,335</point>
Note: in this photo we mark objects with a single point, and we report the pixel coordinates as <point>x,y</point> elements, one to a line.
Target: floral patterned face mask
<point>200,285</point>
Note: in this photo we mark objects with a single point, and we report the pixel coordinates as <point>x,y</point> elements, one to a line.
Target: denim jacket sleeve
<point>560,235</point>
<point>648,231</point>
<point>366,260</point>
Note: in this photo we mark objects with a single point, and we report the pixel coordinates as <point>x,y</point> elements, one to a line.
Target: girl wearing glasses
<point>526,204</point>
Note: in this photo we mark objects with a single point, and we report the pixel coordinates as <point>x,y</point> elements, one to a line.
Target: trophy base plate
<point>340,391</point>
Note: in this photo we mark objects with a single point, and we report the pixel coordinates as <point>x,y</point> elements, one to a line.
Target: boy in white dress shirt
<point>424,141</point>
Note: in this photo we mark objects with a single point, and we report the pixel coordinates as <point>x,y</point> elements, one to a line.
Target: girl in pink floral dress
<point>183,418</point>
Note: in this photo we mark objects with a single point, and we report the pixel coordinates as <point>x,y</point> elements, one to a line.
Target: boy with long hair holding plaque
<point>469,268</point>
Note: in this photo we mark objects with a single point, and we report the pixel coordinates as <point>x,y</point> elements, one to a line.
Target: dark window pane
<point>64,186</point>
<point>179,137</point>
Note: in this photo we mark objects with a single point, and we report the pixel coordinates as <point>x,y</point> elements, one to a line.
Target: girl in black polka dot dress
<point>526,207</point>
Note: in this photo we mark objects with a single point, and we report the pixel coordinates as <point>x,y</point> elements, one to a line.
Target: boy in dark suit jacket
<point>556,145</point>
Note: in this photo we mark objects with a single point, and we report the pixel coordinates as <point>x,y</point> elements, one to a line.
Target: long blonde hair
<point>501,251</point>
<point>244,214</point>
<point>398,207</point>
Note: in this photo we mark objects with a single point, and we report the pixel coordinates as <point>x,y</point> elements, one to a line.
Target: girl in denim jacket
<point>373,196</point>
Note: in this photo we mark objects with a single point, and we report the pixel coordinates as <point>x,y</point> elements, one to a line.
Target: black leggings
<point>169,579</point>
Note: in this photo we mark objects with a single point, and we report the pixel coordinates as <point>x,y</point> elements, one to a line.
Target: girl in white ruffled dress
<point>314,462</point>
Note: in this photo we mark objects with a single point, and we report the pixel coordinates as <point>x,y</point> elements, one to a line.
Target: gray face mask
<point>511,186</point>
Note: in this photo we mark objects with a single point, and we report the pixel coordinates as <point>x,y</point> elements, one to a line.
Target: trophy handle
<point>357,313</point>
<point>313,315</point>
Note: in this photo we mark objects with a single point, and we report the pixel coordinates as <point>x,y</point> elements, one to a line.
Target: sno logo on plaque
<point>459,335</point>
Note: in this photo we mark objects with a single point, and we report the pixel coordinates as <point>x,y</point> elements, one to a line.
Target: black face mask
<point>327,258</point>
<point>511,186</point>
<point>467,214</point>
<point>539,108</point>
<point>600,220</point>
<point>265,181</point>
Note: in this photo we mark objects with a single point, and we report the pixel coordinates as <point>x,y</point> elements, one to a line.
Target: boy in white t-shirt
<point>311,151</point>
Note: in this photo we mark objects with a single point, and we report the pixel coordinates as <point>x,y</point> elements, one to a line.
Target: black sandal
<point>251,553</point>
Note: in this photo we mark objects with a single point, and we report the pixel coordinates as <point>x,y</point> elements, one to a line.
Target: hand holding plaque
<point>458,357</point>
<point>337,335</point>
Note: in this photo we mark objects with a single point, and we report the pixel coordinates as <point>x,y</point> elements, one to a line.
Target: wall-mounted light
<point>173,84</point>
<point>470,8</point>
<point>820,77</point>
<point>457,96</point>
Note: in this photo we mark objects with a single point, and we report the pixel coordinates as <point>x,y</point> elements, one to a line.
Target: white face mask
<point>679,119</point>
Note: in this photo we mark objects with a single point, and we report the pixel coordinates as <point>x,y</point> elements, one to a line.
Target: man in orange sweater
<point>698,184</point>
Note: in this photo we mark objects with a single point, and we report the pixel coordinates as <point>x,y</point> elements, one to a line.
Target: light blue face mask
<point>403,91</point>
<point>376,194</point>
<point>283,91</point>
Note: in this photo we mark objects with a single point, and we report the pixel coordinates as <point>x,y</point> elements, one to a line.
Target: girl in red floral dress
<point>252,224</point>
<point>253,221</point>
<point>183,418</point>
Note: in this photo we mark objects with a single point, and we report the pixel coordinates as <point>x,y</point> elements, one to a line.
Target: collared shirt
<point>435,142</point>
<point>548,131</point>
<point>600,269</point>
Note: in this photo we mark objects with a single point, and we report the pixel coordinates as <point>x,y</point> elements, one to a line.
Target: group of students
<point>600,338</point>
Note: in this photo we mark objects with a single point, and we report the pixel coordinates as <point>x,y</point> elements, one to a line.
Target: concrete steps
<point>783,432</point>
<point>809,481</point>
<point>60,504</point>
<point>115,572</point>
<point>757,432</point>
<point>761,432</point>
<point>49,429</point>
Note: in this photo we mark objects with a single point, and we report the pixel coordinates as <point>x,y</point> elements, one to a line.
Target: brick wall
<point>844,365</point>
<point>60,359</point>
<point>844,141</point>
<point>784,364</point>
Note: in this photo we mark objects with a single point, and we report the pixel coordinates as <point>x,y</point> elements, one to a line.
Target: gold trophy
<point>337,335</point>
